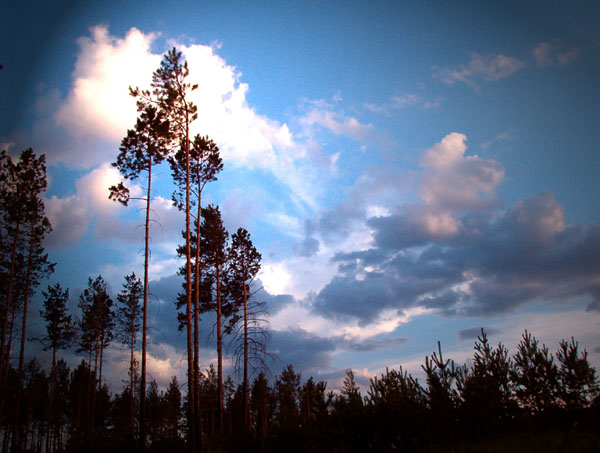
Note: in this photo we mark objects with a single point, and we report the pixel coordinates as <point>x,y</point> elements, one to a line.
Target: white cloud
<point>397,103</point>
<point>98,110</point>
<point>337,123</point>
<point>486,67</point>
<point>98,104</point>
<point>455,182</point>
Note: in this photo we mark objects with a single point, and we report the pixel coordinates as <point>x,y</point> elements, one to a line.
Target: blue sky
<point>409,172</point>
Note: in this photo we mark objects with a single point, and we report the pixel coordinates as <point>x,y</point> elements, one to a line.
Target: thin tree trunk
<point>23,336</point>
<point>4,376</point>
<point>5,354</point>
<point>131,383</point>
<point>145,314</point>
<point>94,386</point>
<point>8,300</point>
<point>102,347</point>
<point>188,308</point>
<point>246,386</point>
<point>52,376</point>
<point>197,415</point>
<point>219,350</point>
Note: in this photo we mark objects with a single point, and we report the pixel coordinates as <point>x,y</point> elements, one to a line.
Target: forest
<point>530,400</point>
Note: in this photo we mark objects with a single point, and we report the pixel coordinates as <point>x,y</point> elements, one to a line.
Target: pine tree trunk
<point>219,349</point>
<point>145,315</point>
<point>23,337</point>
<point>246,386</point>
<point>52,377</point>
<point>131,383</point>
<point>5,356</point>
<point>188,308</point>
<point>94,386</point>
<point>4,376</point>
<point>3,361</point>
<point>197,414</point>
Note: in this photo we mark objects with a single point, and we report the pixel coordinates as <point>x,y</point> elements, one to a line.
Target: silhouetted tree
<point>535,375</point>
<point>143,147</point>
<point>214,243</point>
<point>128,326</point>
<point>576,377</point>
<point>486,389</point>
<point>396,404</point>
<point>96,333</point>
<point>286,387</point>
<point>170,93</point>
<point>243,265</point>
<point>261,404</point>
<point>30,182</point>
<point>60,332</point>
<point>172,413</point>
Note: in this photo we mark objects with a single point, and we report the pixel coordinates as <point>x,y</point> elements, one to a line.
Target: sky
<point>410,171</point>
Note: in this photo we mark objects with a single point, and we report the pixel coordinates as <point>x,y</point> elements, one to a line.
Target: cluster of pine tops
<point>497,397</point>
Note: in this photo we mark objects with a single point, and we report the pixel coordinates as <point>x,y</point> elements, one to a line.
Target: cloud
<point>503,137</point>
<point>555,54</point>
<point>83,129</point>
<point>69,219</point>
<point>455,182</point>
<point>489,68</point>
<point>401,102</point>
<point>307,352</point>
<point>376,344</point>
<point>459,254</point>
<point>337,123</point>
<point>98,104</point>
<point>473,332</point>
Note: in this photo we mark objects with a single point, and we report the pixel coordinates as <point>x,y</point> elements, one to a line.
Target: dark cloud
<point>305,351</point>
<point>376,344</point>
<point>309,247</point>
<point>496,261</point>
<point>473,332</point>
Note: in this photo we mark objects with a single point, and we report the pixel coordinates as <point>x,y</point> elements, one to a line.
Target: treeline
<point>532,401</point>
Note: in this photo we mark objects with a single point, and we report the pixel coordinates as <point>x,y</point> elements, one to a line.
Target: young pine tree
<point>96,332</point>
<point>128,326</point>
<point>60,332</point>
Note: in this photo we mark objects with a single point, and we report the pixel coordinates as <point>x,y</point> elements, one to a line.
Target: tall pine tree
<point>171,94</point>
<point>244,264</point>
<point>142,148</point>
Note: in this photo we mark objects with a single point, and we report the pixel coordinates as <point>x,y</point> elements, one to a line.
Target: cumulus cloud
<point>489,68</point>
<point>83,129</point>
<point>459,254</point>
<point>455,182</point>
<point>68,218</point>
<point>98,104</point>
